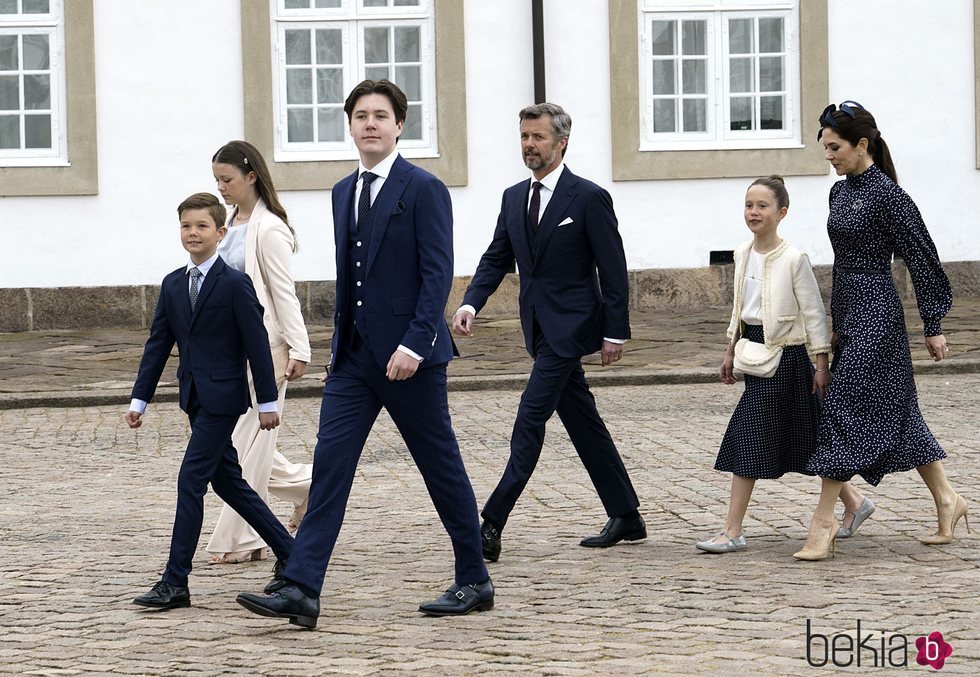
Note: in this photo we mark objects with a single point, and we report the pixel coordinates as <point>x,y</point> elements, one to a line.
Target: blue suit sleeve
<point>248,316</point>
<point>156,352</point>
<point>607,247</point>
<point>434,243</point>
<point>495,263</point>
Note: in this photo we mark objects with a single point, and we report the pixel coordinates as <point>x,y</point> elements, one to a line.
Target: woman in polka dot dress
<point>777,303</point>
<point>871,424</point>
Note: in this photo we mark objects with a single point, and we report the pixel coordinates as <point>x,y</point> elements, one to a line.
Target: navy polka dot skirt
<point>773,429</point>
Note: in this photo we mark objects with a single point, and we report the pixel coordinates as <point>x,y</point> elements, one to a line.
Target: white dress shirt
<point>232,246</point>
<point>138,405</point>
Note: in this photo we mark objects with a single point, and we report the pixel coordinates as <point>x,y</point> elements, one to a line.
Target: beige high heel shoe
<point>828,549</point>
<point>239,557</point>
<point>944,536</point>
<point>296,518</point>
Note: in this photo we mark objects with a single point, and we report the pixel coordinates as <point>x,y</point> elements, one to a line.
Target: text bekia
<point>870,650</point>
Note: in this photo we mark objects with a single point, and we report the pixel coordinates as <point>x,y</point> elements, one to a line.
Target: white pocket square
<point>565,222</point>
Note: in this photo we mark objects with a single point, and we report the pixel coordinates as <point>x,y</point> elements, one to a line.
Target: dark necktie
<point>192,290</point>
<point>364,202</point>
<point>534,207</point>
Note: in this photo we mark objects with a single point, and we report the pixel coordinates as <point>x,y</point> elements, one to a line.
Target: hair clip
<point>246,159</point>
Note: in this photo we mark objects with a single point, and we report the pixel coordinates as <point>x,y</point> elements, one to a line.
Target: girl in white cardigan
<point>260,242</point>
<point>777,304</point>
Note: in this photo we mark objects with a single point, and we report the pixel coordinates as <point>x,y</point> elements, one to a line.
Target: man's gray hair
<point>561,122</point>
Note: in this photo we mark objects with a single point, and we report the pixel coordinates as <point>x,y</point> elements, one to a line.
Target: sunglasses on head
<point>847,107</point>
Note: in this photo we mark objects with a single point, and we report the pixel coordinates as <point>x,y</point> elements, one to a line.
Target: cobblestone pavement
<point>87,505</point>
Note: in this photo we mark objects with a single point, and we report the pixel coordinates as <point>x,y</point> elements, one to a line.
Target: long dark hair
<point>853,123</point>
<point>247,158</point>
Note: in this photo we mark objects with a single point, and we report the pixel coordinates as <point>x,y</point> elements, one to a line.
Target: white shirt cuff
<point>410,352</point>
<point>139,406</point>
<point>468,308</point>
<point>268,407</point>
<point>619,341</point>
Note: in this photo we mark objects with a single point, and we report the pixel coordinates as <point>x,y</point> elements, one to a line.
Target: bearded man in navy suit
<point>562,231</point>
<point>393,228</point>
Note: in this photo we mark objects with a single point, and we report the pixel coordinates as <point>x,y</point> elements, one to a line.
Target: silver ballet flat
<point>862,513</point>
<point>731,545</point>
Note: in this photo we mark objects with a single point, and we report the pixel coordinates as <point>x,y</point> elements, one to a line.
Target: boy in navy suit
<point>211,312</point>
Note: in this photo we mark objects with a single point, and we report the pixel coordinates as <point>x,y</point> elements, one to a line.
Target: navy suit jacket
<point>574,284</point>
<point>409,266</point>
<point>213,342</point>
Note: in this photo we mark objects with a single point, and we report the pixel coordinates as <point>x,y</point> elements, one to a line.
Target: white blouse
<point>752,288</point>
<point>232,247</point>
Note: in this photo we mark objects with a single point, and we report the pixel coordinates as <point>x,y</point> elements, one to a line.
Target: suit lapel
<point>384,204</point>
<point>344,213</point>
<point>520,233</point>
<point>557,208</point>
<point>210,280</point>
<point>180,290</point>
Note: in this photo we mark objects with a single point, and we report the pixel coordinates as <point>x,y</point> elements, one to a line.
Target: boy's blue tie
<point>195,274</point>
<point>364,201</point>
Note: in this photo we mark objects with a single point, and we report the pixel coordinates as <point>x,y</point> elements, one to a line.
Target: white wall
<point>170,93</point>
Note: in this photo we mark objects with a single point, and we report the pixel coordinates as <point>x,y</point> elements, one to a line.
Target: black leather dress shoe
<point>490,536</point>
<point>287,602</point>
<point>278,581</point>
<point>617,529</point>
<point>165,596</point>
<point>460,600</point>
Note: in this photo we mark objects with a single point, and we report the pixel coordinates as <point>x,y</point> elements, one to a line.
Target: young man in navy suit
<point>211,312</point>
<point>393,228</point>
<point>562,231</point>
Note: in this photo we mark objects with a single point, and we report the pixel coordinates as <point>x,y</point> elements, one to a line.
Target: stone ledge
<point>650,289</point>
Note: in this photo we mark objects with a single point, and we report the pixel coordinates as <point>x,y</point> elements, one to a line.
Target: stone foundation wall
<point>652,289</point>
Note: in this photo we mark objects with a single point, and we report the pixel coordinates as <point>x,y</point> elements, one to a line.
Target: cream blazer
<point>792,310</point>
<point>268,261</point>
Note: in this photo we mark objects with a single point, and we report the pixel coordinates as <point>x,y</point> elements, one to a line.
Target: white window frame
<point>52,25</point>
<point>718,134</point>
<point>352,17</point>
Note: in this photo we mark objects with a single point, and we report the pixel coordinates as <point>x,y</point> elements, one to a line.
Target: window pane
<point>407,42</point>
<point>740,36</point>
<point>329,85</point>
<point>8,53</point>
<point>9,131</point>
<point>376,45</point>
<point>412,131</point>
<point>9,7</point>
<point>36,7</point>
<point>377,73</point>
<point>695,118</point>
<point>770,35</point>
<point>662,36</point>
<point>299,122</point>
<point>771,74</point>
<point>741,113</point>
<point>663,116</point>
<point>330,124</point>
<point>695,76</point>
<point>409,78</point>
<point>37,92</point>
<point>297,4</point>
<point>406,3</point>
<point>297,47</point>
<point>375,3</point>
<point>327,4</point>
<point>771,115</point>
<point>9,92</point>
<point>36,53</point>
<point>299,86</point>
<point>37,131</point>
<point>329,46</point>
<point>694,37</point>
<point>663,77</point>
<point>740,75</point>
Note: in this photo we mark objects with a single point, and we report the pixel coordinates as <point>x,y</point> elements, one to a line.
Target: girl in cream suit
<point>260,242</point>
